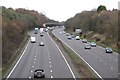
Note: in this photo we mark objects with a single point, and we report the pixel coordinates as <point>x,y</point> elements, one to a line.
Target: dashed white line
<point>31,71</point>
<point>51,76</point>
<point>50,70</point>
<point>111,68</point>
<point>49,61</point>
<point>48,53</point>
<point>50,66</point>
<point>32,66</point>
<point>35,59</point>
<point>35,56</point>
<point>64,58</point>
<point>34,62</point>
<point>49,56</point>
<point>30,77</point>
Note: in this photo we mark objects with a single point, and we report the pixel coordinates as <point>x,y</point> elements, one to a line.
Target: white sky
<point>60,10</point>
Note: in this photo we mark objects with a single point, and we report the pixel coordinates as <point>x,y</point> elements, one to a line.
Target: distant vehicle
<point>84,41</point>
<point>36,30</point>
<point>33,39</point>
<point>39,73</point>
<point>77,38</point>
<point>41,44</point>
<point>46,30</point>
<point>41,30</point>
<point>67,34</point>
<point>41,34</point>
<point>69,37</point>
<point>87,46</point>
<point>93,44</point>
<point>109,50</point>
<point>73,36</point>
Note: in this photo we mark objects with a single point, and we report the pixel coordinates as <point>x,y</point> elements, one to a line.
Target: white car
<point>63,32</point>
<point>41,44</point>
<point>33,39</point>
<point>77,38</point>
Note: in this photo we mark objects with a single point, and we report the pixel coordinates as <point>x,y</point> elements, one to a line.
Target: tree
<point>101,8</point>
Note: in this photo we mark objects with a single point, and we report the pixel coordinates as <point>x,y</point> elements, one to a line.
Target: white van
<point>33,39</point>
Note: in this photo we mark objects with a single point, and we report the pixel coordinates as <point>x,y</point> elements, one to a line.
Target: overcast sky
<point>59,10</point>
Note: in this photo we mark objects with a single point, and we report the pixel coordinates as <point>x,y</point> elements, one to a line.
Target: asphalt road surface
<point>105,64</point>
<point>47,57</point>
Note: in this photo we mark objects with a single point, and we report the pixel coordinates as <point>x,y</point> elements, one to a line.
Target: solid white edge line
<point>18,61</point>
<point>80,57</point>
<point>63,58</point>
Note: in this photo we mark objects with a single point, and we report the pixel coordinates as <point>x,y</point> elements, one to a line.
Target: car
<point>33,39</point>
<point>67,34</point>
<point>39,73</point>
<point>69,37</point>
<point>41,44</point>
<point>73,36</point>
<point>93,44</point>
<point>41,34</point>
<point>84,41</point>
<point>87,46</point>
<point>108,50</point>
<point>77,38</point>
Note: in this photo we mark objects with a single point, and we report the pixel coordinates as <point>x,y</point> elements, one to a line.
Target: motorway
<point>105,64</point>
<point>46,57</point>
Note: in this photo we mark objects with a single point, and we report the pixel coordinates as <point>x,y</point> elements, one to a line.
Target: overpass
<point>52,24</point>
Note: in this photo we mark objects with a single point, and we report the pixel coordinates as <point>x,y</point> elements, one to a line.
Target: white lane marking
<point>48,53</point>
<point>51,76</point>
<point>50,66</point>
<point>35,56</point>
<point>111,68</point>
<point>32,66</point>
<point>34,59</point>
<point>64,58</point>
<point>31,71</point>
<point>49,61</point>
<point>30,77</point>
<point>49,56</point>
<point>81,58</point>
<point>34,62</point>
<point>50,70</point>
<point>18,61</point>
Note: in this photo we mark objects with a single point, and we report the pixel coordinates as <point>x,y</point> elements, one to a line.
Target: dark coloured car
<point>109,50</point>
<point>87,46</point>
<point>39,73</point>
<point>93,44</point>
<point>84,41</point>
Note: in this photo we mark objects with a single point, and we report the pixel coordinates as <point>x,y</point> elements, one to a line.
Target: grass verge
<point>7,68</point>
<point>79,65</point>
